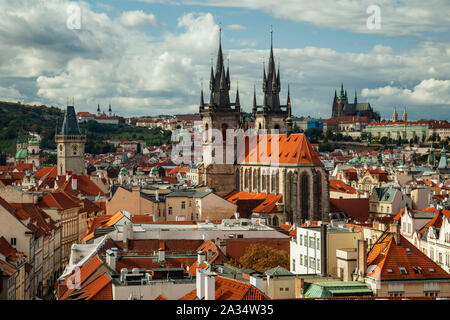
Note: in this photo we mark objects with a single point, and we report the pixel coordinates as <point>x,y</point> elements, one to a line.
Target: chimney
<point>111,258</point>
<point>222,245</point>
<point>209,254</point>
<point>199,284</point>
<point>362,259</point>
<point>200,257</point>
<point>210,286</point>
<point>395,230</point>
<point>74,183</point>
<point>161,255</point>
<point>323,249</point>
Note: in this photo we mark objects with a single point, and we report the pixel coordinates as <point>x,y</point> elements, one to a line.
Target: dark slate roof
<point>70,124</point>
<point>358,107</point>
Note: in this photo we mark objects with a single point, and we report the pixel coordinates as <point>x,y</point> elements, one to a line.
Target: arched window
<point>255,180</point>
<point>274,182</point>
<point>224,131</point>
<point>206,135</point>
<point>238,179</point>
<point>246,178</point>
<point>263,179</point>
<point>304,194</point>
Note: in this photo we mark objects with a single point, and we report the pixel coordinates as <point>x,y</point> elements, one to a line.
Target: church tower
<point>70,145</point>
<point>339,102</point>
<point>219,114</point>
<point>271,115</point>
<point>395,116</point>
<point>404,116</point>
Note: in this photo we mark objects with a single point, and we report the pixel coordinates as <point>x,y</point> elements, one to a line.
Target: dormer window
<point>403,270</point>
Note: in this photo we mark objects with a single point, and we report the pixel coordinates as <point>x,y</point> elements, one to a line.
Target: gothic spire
<point>237,103</point>
<point>404,116</point>
<point>202,102</point>
<point>356,98</point>
<point>288,96</point>
<point>70,123</point>
<point>394,115</point>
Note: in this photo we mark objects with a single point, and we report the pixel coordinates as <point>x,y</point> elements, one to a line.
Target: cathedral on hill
<point>294,175</point>
<point>342,107</point>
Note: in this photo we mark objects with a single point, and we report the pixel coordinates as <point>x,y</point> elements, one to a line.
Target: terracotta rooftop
<point>293,150</point>
<point>390,260</point>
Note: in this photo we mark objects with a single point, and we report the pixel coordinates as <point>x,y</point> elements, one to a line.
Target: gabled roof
<point>58,200</point>
<point>46,172</point>
<point>295,150</point>
<point>386,258</point>
<point>278,271</point>
<point>340,186</point>
<point>86,271</point>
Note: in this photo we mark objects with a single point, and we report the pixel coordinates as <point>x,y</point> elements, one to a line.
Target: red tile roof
<point>294,150</point>
<point>340,186</point>
<point>58,200</point>
<point>357,209</point>
<point>231,289</point>
<point>387,257</point>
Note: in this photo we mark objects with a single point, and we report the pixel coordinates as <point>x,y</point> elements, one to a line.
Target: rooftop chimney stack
<point>200,284</point>
<point>74,183</point>
<point>395,230</point>
<point>111,258</point>
<point>362,259</point>
<point>200,257</point>
<point>161,255</point>
<point>210,287</point>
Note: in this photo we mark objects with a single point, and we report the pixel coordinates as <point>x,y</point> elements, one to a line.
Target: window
<point>183,204</point>
<point>318,244</point>
<point>431,293</point>
<point>13,241</point>
<point>312,242</point>
<point>281,289</point>
<point>396,294</point>
<point>312,263</point>
<point>300,238</point>
<point>318,265</point>
<point>403,270</point>
<point>170,211</point>
<point>409,227</point>
<point>301,260</point>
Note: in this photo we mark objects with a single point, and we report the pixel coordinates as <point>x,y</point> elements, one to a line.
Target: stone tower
<point>394,115</point>
<point>339,102</point>
<point>219,114</point>
<point>271,115</point>
<point>33,152</point>
<point>70,145</point>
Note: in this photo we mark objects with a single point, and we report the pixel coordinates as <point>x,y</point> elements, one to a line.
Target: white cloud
<point>401,17</point>
<point>236,27</point>
<point>139,74</point>
<point>139,18</point>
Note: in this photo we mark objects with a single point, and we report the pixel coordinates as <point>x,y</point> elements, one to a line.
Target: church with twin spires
<point>298,174</point>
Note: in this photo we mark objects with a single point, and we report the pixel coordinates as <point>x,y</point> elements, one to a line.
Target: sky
<point>151,57</point>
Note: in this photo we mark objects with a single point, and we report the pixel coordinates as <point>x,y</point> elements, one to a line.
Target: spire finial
<point>271,36</point>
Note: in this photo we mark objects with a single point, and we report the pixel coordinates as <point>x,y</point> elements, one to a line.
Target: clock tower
<point>70,143</point>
